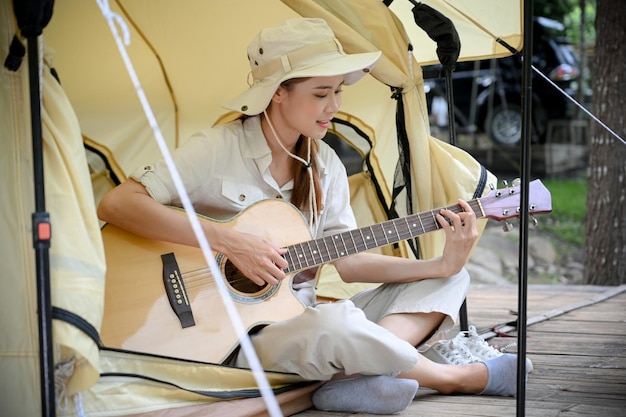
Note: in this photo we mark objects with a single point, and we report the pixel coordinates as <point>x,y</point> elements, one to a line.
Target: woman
<point>364,347</point>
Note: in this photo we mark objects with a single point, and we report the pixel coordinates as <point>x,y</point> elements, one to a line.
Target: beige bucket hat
<point>302,47</point>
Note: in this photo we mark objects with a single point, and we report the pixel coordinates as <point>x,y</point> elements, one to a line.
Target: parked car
<point>487,93</point>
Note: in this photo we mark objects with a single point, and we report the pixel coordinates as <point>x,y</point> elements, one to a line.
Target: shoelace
<point>478,347</point>
<point>454,352</point>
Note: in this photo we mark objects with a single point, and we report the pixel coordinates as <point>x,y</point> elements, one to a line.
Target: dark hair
<point>301,184</point>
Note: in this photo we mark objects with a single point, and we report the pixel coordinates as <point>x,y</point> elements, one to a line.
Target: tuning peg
<point>507,227</point>
<point>516,182</point>
<point>534,220</point>
<point>505,183</point>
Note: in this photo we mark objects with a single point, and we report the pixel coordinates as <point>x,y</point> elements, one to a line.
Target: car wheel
<point>504,126</point>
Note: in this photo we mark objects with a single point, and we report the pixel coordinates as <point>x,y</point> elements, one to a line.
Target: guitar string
<point>197,278</point>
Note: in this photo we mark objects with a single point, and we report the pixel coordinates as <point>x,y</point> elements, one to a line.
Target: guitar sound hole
<point>239,282</point>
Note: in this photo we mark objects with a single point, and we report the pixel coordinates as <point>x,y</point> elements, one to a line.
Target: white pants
<point>343,336</point>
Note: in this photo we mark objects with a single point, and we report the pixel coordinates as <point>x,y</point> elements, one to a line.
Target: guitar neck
<point>319,251</point>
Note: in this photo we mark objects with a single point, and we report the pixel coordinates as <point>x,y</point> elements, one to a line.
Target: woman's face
<point>307,106</point>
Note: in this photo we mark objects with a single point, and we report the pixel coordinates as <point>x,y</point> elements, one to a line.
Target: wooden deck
<point>576,339</point>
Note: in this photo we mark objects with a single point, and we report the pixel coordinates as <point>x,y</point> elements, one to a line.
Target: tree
<point>605,225</point>
<point>554,9</point>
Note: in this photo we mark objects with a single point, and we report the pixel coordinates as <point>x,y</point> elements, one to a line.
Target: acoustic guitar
<point>161,298</point>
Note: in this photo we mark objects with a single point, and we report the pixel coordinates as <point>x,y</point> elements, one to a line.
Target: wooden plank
<point>579,357</point>
<point>583,328</point>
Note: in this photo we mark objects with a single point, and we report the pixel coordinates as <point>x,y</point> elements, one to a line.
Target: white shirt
<point>225,169</point>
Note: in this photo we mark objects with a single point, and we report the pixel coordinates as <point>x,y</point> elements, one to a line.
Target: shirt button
<point>242,197</point>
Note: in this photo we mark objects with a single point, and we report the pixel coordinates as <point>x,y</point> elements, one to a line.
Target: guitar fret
<point>379,234</point>
<point>405,231</point>
<point>432,213</point>
<point>385,232</point>
<point>408,225</point>
<point>395,229</point>
<point>289,260</point>
<point>340,244</point>
<point>354,245</point>
<point>310,254</point>
<point>305,256</point>
<point>375,229</point>
<point>333,240</point>
<point>421,223</point>
<point>328,252</point>
<point>299,255</point>
<point>363,241</point>
<point>370,238</point>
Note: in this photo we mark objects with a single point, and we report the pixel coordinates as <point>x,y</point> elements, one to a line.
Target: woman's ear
<point>280,94</point>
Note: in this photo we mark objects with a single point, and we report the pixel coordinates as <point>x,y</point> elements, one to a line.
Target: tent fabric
<point>180,54</point>
<point>450,172</point>
<point>76,255</point>
<point>479,24</point>
<point>189,61</point>
<point>145,384</point>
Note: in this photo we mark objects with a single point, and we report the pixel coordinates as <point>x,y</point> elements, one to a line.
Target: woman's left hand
<point>461,234</point>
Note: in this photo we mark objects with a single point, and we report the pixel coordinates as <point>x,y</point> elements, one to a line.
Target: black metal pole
<point>32,16</point>
<point>441,29</point>
<point>451,112</point>
<point>41,239</point>
<point>463,319</point>
<point>524,205</point>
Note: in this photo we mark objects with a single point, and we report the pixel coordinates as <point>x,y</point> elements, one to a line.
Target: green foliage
<point>572,22</point>
<point>554,9</point>
<point>569,204</point>
<point>568,12</point>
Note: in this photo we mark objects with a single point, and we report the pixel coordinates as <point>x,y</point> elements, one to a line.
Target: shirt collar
<point>259,151</point>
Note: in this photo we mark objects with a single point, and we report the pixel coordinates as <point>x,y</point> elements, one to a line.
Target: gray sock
<point>366,394</point>
<point>503,375</point>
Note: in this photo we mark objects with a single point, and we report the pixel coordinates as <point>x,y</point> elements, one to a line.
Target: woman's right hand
<point>255,257</point>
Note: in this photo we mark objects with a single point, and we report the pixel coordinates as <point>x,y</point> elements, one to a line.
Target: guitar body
<point>138,315</point>
<point>179,313</point>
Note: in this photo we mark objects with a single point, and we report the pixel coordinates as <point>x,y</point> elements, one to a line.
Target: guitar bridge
<point>176,292</point>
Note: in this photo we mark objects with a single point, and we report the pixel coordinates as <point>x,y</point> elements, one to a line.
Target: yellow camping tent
<point>188,57</point>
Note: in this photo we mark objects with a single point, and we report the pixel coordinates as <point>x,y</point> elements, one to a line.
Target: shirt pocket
<point>242,195</point>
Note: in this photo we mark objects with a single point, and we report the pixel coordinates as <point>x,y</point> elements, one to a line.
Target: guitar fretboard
<point>315,252</point>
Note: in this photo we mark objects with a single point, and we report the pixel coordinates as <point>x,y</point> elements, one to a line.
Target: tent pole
<point>32,16</point>
<point>463,318</point>
<point>441,29</point>
<point>41,239</point>
<point>524,204</point>
<point>451,111</point>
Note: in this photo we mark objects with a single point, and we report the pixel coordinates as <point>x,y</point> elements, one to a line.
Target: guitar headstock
<point>504,203</point>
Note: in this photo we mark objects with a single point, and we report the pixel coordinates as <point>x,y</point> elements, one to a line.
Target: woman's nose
<point>334,104</point>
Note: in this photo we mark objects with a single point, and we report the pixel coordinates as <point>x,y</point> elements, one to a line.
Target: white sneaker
<point>477,346</point>
<point>452,351</point>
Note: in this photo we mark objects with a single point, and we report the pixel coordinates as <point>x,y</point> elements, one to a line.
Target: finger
<point>258,280</point>
<point>263,278</point>
<point>465,206</point>
<point>271,272</point>
<point>444,221</point>
<point>468,221</point>
<point>453,218</point>
<point>279,261</point>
